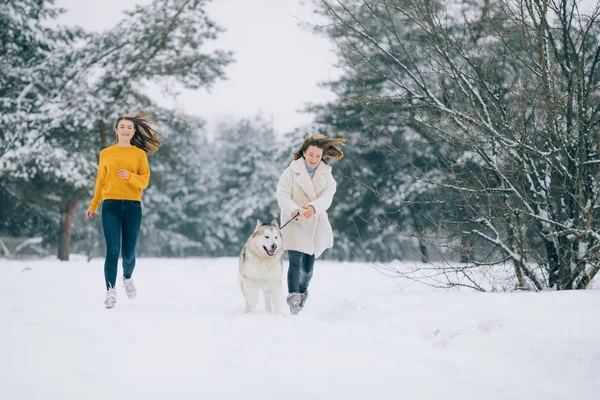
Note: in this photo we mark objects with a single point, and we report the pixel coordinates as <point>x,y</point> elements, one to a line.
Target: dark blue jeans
<point>120,218</point>
<point>300,271</point>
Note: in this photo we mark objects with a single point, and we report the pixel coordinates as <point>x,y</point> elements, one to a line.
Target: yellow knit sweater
<point>109,185</point>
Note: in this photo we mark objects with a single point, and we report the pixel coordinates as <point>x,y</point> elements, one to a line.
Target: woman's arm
<point>142,178</point>
<point>284,194</point>
<point>100,179</point>
<point>321,205</point>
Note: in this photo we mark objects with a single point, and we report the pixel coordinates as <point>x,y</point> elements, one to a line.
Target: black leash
<point>295,217</point>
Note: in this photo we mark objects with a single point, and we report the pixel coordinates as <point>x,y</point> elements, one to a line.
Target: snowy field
<point>361,336</point>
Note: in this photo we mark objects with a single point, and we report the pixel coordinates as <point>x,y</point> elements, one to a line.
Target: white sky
<point>278,62</point>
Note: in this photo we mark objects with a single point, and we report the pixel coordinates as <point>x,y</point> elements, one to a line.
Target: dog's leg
<point>251,295</point>
<point>278,299</point>
<point>275,290</point>
<point>267,292</point>
<point>245,294</point>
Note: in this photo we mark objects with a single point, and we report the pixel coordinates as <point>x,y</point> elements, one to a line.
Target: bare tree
<point>513,86</point>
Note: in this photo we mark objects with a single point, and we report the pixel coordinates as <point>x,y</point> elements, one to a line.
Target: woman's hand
<point>308,211</point>
<point>123,173</point>
<point>296,214</point>
<point>89,214</point>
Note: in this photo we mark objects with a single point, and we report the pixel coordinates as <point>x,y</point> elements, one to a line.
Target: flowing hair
<point>331,147</point>
<point>145,137</point>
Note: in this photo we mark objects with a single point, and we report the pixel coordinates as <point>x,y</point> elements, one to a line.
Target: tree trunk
<point>66,226</point>
<point>423,251</point>
<point>566,261</point>
<point>103,132</point>
<point>419,230</point>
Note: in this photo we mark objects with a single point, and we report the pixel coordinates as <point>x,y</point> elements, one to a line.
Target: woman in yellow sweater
<point>123,173</point>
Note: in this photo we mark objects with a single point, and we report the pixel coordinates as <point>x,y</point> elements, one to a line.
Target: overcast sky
<point>279,63</point>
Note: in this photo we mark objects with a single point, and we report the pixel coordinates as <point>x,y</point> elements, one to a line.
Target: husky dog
<point>261,267</point>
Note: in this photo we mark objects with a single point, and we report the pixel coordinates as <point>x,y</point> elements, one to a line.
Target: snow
<point>362,335</point>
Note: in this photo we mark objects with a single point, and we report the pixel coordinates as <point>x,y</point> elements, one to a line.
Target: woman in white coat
<point>305,191</point>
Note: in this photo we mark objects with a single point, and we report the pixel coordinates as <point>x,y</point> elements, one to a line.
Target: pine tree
<point>83,85</point>
<point>249,172</point>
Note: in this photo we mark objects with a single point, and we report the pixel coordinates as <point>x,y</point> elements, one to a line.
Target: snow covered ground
<point>362,335</point>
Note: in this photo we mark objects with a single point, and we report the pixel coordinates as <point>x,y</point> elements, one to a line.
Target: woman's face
<point>125,130</point>
<point>313,155</point>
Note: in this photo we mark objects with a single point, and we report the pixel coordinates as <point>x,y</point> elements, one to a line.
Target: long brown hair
<point>145,137</point>
<point>331,148</point>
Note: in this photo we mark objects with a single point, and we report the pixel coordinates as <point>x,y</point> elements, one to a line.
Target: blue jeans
<point>120,218</point>
<point>300,271</point>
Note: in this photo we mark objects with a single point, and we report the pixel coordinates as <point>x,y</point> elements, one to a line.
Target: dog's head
<point>267,237</point>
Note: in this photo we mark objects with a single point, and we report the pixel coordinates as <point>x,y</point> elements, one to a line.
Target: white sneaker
<point>129,288</point>
<point>111,298</point>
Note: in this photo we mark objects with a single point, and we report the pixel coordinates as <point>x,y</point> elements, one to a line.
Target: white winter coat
<point>294,190</point>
